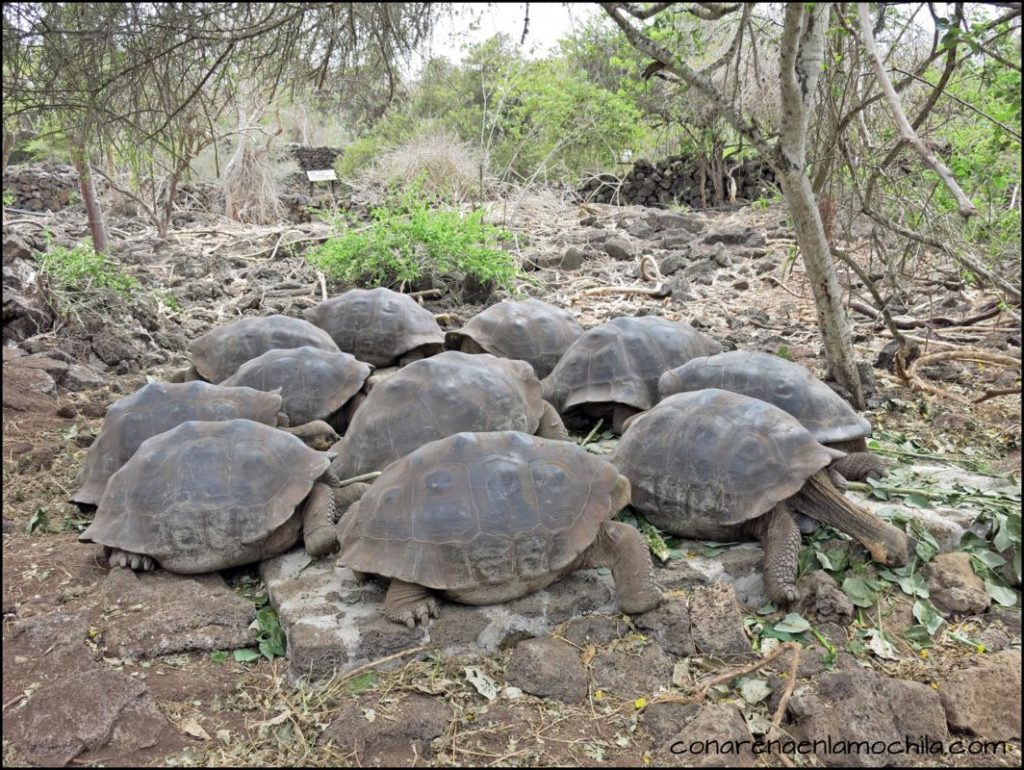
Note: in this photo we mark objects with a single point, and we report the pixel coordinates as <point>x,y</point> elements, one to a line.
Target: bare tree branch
<point>967,209</point>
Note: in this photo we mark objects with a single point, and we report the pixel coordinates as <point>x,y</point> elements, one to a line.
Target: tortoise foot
<point>135,561</point>
<point>409,603</point>
<point>859,466</point>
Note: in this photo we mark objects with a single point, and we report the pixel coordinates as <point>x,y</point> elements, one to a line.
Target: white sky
<point>476,22</point>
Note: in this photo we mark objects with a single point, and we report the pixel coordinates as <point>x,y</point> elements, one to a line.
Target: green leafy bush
<point>409,239</point>
<point>82,270</point>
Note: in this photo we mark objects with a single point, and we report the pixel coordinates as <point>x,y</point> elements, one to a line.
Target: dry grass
<point>449,168</point>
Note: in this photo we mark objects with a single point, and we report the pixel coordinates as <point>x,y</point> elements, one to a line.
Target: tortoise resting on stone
<point>485,518</point>
<point>715,465</point>
<point>379,326</point>
<point>437,397</point>
<point>611,371</point>
<point>531,331</point>
<point>158,407</point>
<point>314,384</point>
<point>218,353</point>
<point>792,388</point>
<point>206,496</point>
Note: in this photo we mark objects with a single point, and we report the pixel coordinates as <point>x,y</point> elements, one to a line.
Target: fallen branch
<point>995,393</point>
<point>323,284</point>
<point>658,292</point>
<point>963,354</point>
<point>726,677</point>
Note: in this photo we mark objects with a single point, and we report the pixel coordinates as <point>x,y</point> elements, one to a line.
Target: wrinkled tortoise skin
<point>437,397</point>
<point>500,509</point>
<point>621,360</point>
<point>218,353</point>
<point>771,378</point>
<point>314,383</point>
<point>701,464</point>
<point>378,326</point>
<point>158,407</point>
<point>206,496</point>
<point>531,331</point>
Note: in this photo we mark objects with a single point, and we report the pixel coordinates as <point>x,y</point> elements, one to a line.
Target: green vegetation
<point>76,277</point>
<point>409,239</point>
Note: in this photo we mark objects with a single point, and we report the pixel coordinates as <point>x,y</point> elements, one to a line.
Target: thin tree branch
<point>967,209</point>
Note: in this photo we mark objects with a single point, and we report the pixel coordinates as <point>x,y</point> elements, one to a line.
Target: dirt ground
<point>413,711</point>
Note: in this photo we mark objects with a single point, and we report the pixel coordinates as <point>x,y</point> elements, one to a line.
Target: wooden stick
<point>323,284</point>
<point>374,663</point>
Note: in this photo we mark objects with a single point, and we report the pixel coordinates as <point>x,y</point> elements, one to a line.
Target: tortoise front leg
<point>551,425</point>
<point>859,466</point>
<point>620,414</point>
<point>136,561</point>
<point>859,463</point>
<point>780,538</point>
<point>345,496</point>
<point>408,603</point>
<point>623,550</point>
<point>318,515</point>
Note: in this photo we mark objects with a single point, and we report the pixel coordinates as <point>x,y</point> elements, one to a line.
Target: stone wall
<point>676,180</point>
<point>42,187</point>
<point>314,158</point>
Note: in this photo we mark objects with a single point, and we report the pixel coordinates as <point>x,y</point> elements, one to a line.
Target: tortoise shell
<point>532,331</point>
<point>377,326</point>
<point>480,509</point>
<point>314,383</point>
<point>702,463</point>
<point>437,397</point>
<point>789,386</point>
<point>158,407</point>
<point>620,362</point>
<point>218,353</point>
<point>205,496</point>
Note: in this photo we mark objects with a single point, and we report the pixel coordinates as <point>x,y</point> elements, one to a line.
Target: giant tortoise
<point>379,326</point>
<point>158,407</point>
<point>314,384</point>
<point>715,465</point>
<point>218,353</point>
<point>489,517</point>
<point>531,331</point>
<point>438,396</point>
<point>792,388</point>
<point>206,496</point>
<point>612,370</point>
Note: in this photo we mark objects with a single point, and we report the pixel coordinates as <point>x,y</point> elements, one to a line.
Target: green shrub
<point>409,239</point>
<point>79,275</point>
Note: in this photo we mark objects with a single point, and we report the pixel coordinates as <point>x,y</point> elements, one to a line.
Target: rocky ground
<point>108,667</point>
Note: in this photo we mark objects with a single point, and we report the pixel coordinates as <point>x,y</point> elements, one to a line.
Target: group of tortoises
<point>479,495</point>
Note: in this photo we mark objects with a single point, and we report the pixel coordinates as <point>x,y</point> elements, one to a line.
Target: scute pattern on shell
<point>206,496</point>
<point>218,353</point>
<point>479,508</point>
<point>436,397</point>
<point>621,360</point>
<point>771,378</point>
<point>377,326</point>
<point>531,331</point>
<point>158,407</point>
<point>314,383</point>
<point>701,463</point>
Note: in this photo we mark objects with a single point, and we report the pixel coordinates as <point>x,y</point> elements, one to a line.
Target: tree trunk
<point>97,228</point>
<point>821,271</point>
<point>802,52</point>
